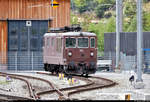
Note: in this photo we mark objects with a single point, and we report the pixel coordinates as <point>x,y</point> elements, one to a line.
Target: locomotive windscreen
<point>71,42</point>
<point>83,42</point>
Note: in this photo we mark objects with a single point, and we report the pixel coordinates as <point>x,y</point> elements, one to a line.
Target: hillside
<point>98,16</point>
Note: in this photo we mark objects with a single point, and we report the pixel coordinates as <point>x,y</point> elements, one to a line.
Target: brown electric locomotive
<point>71,51</point>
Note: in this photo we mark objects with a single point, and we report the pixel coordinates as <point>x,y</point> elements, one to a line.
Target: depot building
<point>22,26</point>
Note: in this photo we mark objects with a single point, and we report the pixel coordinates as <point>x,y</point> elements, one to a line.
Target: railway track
<point>98,83</point>
<point>35,95</point>
<point>91,84</point>
<point>15,77</point>
<point>4,97</point>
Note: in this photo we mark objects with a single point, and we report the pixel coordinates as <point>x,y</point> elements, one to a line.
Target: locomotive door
<point>25,44</point>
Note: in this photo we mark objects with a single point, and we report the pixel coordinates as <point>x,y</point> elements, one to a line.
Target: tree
<point>146,21</point>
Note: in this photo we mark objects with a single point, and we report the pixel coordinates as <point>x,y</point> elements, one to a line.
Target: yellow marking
<point>127,97</point>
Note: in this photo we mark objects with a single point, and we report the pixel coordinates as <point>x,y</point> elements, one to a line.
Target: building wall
<point>36,9</point>
<point>3,42</point>
<point>30,10</point>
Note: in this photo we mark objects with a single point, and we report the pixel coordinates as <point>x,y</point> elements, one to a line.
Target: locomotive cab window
<point>71,42</point>
<point>92,42</point>
<point>83,42</point>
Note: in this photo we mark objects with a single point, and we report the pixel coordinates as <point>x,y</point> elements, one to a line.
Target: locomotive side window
<point>83,42</point>
<point>71,42</point>
<point>92,42</point>
<point>52,41</point>
<point>48,42</point>
<point>59,44</point>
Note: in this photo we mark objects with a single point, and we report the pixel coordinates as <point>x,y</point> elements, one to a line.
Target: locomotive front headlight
<point>70,54</point>
<point>92,54</point>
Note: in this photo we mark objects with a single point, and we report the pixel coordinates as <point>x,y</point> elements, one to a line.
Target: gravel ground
<point>55,80</point>
<point>119,91</point>
<point>16,87</point>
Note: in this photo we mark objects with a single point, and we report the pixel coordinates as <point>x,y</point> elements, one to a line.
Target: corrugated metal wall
<point>128,49</point>
<point>3,42</point>
<point>36,9</point>
<point>128,42</point>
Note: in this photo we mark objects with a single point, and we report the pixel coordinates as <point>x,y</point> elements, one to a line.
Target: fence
<point>22,61</point>
<point>128,62</point>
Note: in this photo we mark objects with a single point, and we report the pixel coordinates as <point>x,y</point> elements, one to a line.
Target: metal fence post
<point>110,69</point>
<point>16,62</point>
<point>32,61</point>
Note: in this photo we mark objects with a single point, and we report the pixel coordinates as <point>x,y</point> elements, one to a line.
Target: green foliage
<point>100,10</point>
<point>105,11</point>
<point>131,25</point>
<point>74,19</point>
<point>84,5</point>
<point>146,1</point>
<point>111,25</point>
<point>98,6</point>
<point>86,22</point>
<point>100,29</point>
<point>106,1</point>
<point>146,22</point>
<point>130,9</point>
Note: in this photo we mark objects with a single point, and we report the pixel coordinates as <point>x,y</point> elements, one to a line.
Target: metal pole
<point>28,47</point>
<point>117,33</point>
<point>32,61</point>
<point>139,40</point>
<point>121,15</point>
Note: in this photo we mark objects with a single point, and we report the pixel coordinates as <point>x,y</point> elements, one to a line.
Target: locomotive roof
<point>71,34</point>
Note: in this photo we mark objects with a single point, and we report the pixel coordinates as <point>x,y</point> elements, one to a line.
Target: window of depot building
<point>59,44</point>
<point>24,30</point>
<point>83,42</point>
<point>24,44</point>
<point>14,32</point>
<point>42,31</point>
<point>71,42</point>
<point>34,44</point>
<point>13,44</point>
<point>92,42</point>
<point>34,31</point>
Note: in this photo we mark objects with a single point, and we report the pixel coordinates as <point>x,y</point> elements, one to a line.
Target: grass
<point>4,82</point>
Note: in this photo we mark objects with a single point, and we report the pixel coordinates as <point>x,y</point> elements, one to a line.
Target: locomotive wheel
<point>45,67</point>
<point>86,75</point>
<point>52,72</point>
